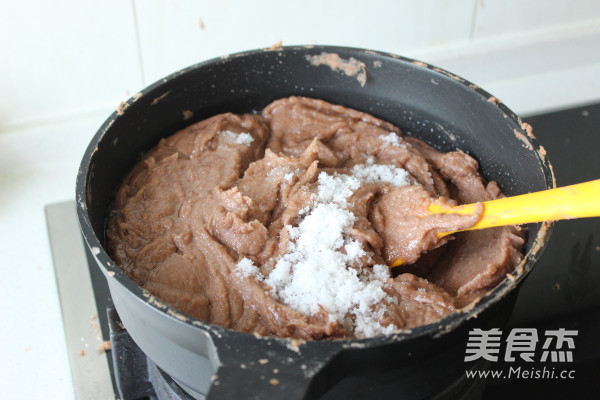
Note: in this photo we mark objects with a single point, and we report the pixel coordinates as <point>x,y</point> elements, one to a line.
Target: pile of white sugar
<point>318,271</point>
<point>239,138</point>
<point>391,139</point>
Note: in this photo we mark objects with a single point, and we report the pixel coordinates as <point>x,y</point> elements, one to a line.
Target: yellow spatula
<point>575,201</point>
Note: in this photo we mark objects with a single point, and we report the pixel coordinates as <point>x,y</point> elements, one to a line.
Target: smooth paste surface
<point>225,194</point>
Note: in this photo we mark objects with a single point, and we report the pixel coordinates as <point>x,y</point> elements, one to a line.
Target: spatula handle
<point>576,201</point>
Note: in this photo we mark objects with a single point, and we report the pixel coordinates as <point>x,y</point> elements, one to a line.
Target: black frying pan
<point>434,105</point>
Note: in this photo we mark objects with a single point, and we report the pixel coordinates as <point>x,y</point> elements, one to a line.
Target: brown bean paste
<point>284,223</point>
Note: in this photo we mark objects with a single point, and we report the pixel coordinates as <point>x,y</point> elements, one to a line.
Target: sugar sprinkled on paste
<point>391,139</point>
<point>247,268</point>
<point>239,138</point>
<point>381,173</point>
<point>317,271</point>
<point>232,202</point>
<point>336,188</point>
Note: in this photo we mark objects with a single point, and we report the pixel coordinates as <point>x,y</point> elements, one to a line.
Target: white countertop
<point>33,360</point>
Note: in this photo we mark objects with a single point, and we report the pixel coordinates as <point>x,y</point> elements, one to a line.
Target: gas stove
<point>561,292</point>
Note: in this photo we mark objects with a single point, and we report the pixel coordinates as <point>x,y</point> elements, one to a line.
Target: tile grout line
<point>474,20</point>
<point>139,43</point>
<point>92,113</point>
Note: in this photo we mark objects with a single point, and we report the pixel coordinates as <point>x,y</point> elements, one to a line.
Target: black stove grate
<point>136,376</point>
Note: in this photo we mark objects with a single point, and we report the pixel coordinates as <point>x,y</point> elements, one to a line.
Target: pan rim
<point>434,329</point>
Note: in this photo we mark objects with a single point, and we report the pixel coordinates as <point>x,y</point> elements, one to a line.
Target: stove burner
<point>136,376</point>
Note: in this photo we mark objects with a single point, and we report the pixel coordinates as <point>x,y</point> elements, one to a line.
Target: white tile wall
<point>171,36</point>
<point>62,58</point>
<point>548,69</point>
<point>67,58</point>
<point>497,17</point>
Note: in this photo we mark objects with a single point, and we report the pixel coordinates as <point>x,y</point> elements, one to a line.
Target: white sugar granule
<point>284,172</point>
<point>354,250</point>
<point>278,171</point>
<point>288,177</point>
<point>247,268</point>
<point>391,139</point>
<point>239,138</point>
<point>381,173</point>
<point>381,272</point>
<point>316,271</point>
<point>336,188</point>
